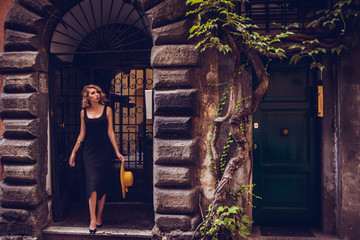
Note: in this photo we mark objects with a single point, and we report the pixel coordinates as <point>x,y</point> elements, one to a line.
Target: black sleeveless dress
<point>98,154</point>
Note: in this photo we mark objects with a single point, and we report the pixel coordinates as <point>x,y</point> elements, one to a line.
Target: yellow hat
<point>126,178</point>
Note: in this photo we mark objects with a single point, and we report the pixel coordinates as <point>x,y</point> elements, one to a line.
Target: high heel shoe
<point>92,231</point>
<point>99,226</point>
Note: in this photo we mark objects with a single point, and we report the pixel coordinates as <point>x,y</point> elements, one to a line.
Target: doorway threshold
<point>130,220</point>
<point>276,233</point>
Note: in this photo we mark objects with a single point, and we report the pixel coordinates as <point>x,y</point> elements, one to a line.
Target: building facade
<point>51,48</point>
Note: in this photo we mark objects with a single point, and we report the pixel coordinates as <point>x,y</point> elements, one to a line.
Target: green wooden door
<point>285,150</point>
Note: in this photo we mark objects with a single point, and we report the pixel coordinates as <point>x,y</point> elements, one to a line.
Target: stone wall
<point>183,106</point>
<point>176,154</point>
<point>24,109</point>
<point>329,150</point>
<point>349,137</point>
<point>4,8</point>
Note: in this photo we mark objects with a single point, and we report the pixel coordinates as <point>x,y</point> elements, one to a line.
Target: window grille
<point>265,12</point>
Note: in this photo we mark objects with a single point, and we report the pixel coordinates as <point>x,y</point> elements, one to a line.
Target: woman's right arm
<point>79,140</point>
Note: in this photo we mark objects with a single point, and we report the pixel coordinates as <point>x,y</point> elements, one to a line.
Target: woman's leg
<point>101,204</point>
<point>92,208</point>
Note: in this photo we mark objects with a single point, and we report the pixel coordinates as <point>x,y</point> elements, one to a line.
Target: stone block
<point>173,222</point>
<point>166,12</point>
<point>175,151</point>
<point>147,4</point>
<point>28,174</point>
<point>15,105</point>
<point>173,78</point>
<point>173,127</point>
<point>177,201</point>
<point>20,41</point>
<point>174,55</point>
<point>15,215</point>
<point>175,33</point>
<point>22,19</point>
<point>21,83</point>
<point>20,228</point>
<point>175,102</point>
<point>37,6</point>
<point>180,235</point>
<point>19,196</point>
<point>173,176</point>
<point>22,62</point>
<point>21,128</point>
<point>19,151</point>
<point>11,237</point>
<point>3,227</point>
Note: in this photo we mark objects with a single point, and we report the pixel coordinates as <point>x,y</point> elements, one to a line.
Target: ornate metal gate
<point>107,43</point>
<point>132,126</point>
<point>126,91</point>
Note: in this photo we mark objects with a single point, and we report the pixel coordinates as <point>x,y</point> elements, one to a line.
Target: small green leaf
<point>192,2</point>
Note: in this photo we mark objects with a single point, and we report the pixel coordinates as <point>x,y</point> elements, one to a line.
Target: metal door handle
<point>284,132</point>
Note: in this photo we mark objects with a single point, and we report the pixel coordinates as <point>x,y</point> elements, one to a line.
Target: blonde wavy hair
<point>85,103</point>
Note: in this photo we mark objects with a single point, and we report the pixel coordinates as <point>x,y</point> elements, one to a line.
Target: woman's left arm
<point>109,116</point>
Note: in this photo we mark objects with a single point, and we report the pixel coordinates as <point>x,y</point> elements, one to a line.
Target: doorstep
<point>78,233</point>
<point>317,234</point>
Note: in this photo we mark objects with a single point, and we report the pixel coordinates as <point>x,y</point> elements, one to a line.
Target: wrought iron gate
<point>125,89</point>
<point>132,126</point>
<point>107,43</point>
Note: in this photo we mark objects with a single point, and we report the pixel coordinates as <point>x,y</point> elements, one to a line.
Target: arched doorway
<point>31,70</point>
<point>103,42</point>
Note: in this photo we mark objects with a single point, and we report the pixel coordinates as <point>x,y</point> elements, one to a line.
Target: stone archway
<point>25,110</point>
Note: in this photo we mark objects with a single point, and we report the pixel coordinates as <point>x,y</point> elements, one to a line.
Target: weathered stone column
<point>24,107</point>
<point>176,153</point>
<point>23,149</point>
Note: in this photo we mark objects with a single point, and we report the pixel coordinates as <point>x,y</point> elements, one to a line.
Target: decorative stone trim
<point>175,33</point>
<point>22,222</point>
<point>175,222</point>
<point>175,102</point>
<point>17,105</point>
<point>173,176</point>
<point>15,215</point>
<point>20,174</point>
<point>20,18</point>
<point>21,128</point>
<point>147,4</point>
<point>21,83</point>
<point>173,127</point>
<point>37,6</point>
<point>167,12</point>
<point>15,41</point>
<point>173,78</point>
<point>177,201</point>
<point>170,151</point>
<point>19,151</point>
<point>20,196</point>
<point>21,62</point>
<point>174,56</point>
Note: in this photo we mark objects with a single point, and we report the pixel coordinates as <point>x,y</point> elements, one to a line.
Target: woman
<point>97,135</point>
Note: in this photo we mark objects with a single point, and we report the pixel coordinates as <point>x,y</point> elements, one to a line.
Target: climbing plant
<point>221,27</point>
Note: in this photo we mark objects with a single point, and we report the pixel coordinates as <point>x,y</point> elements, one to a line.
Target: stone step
<point>81,233</point>
<point>317,234</point>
